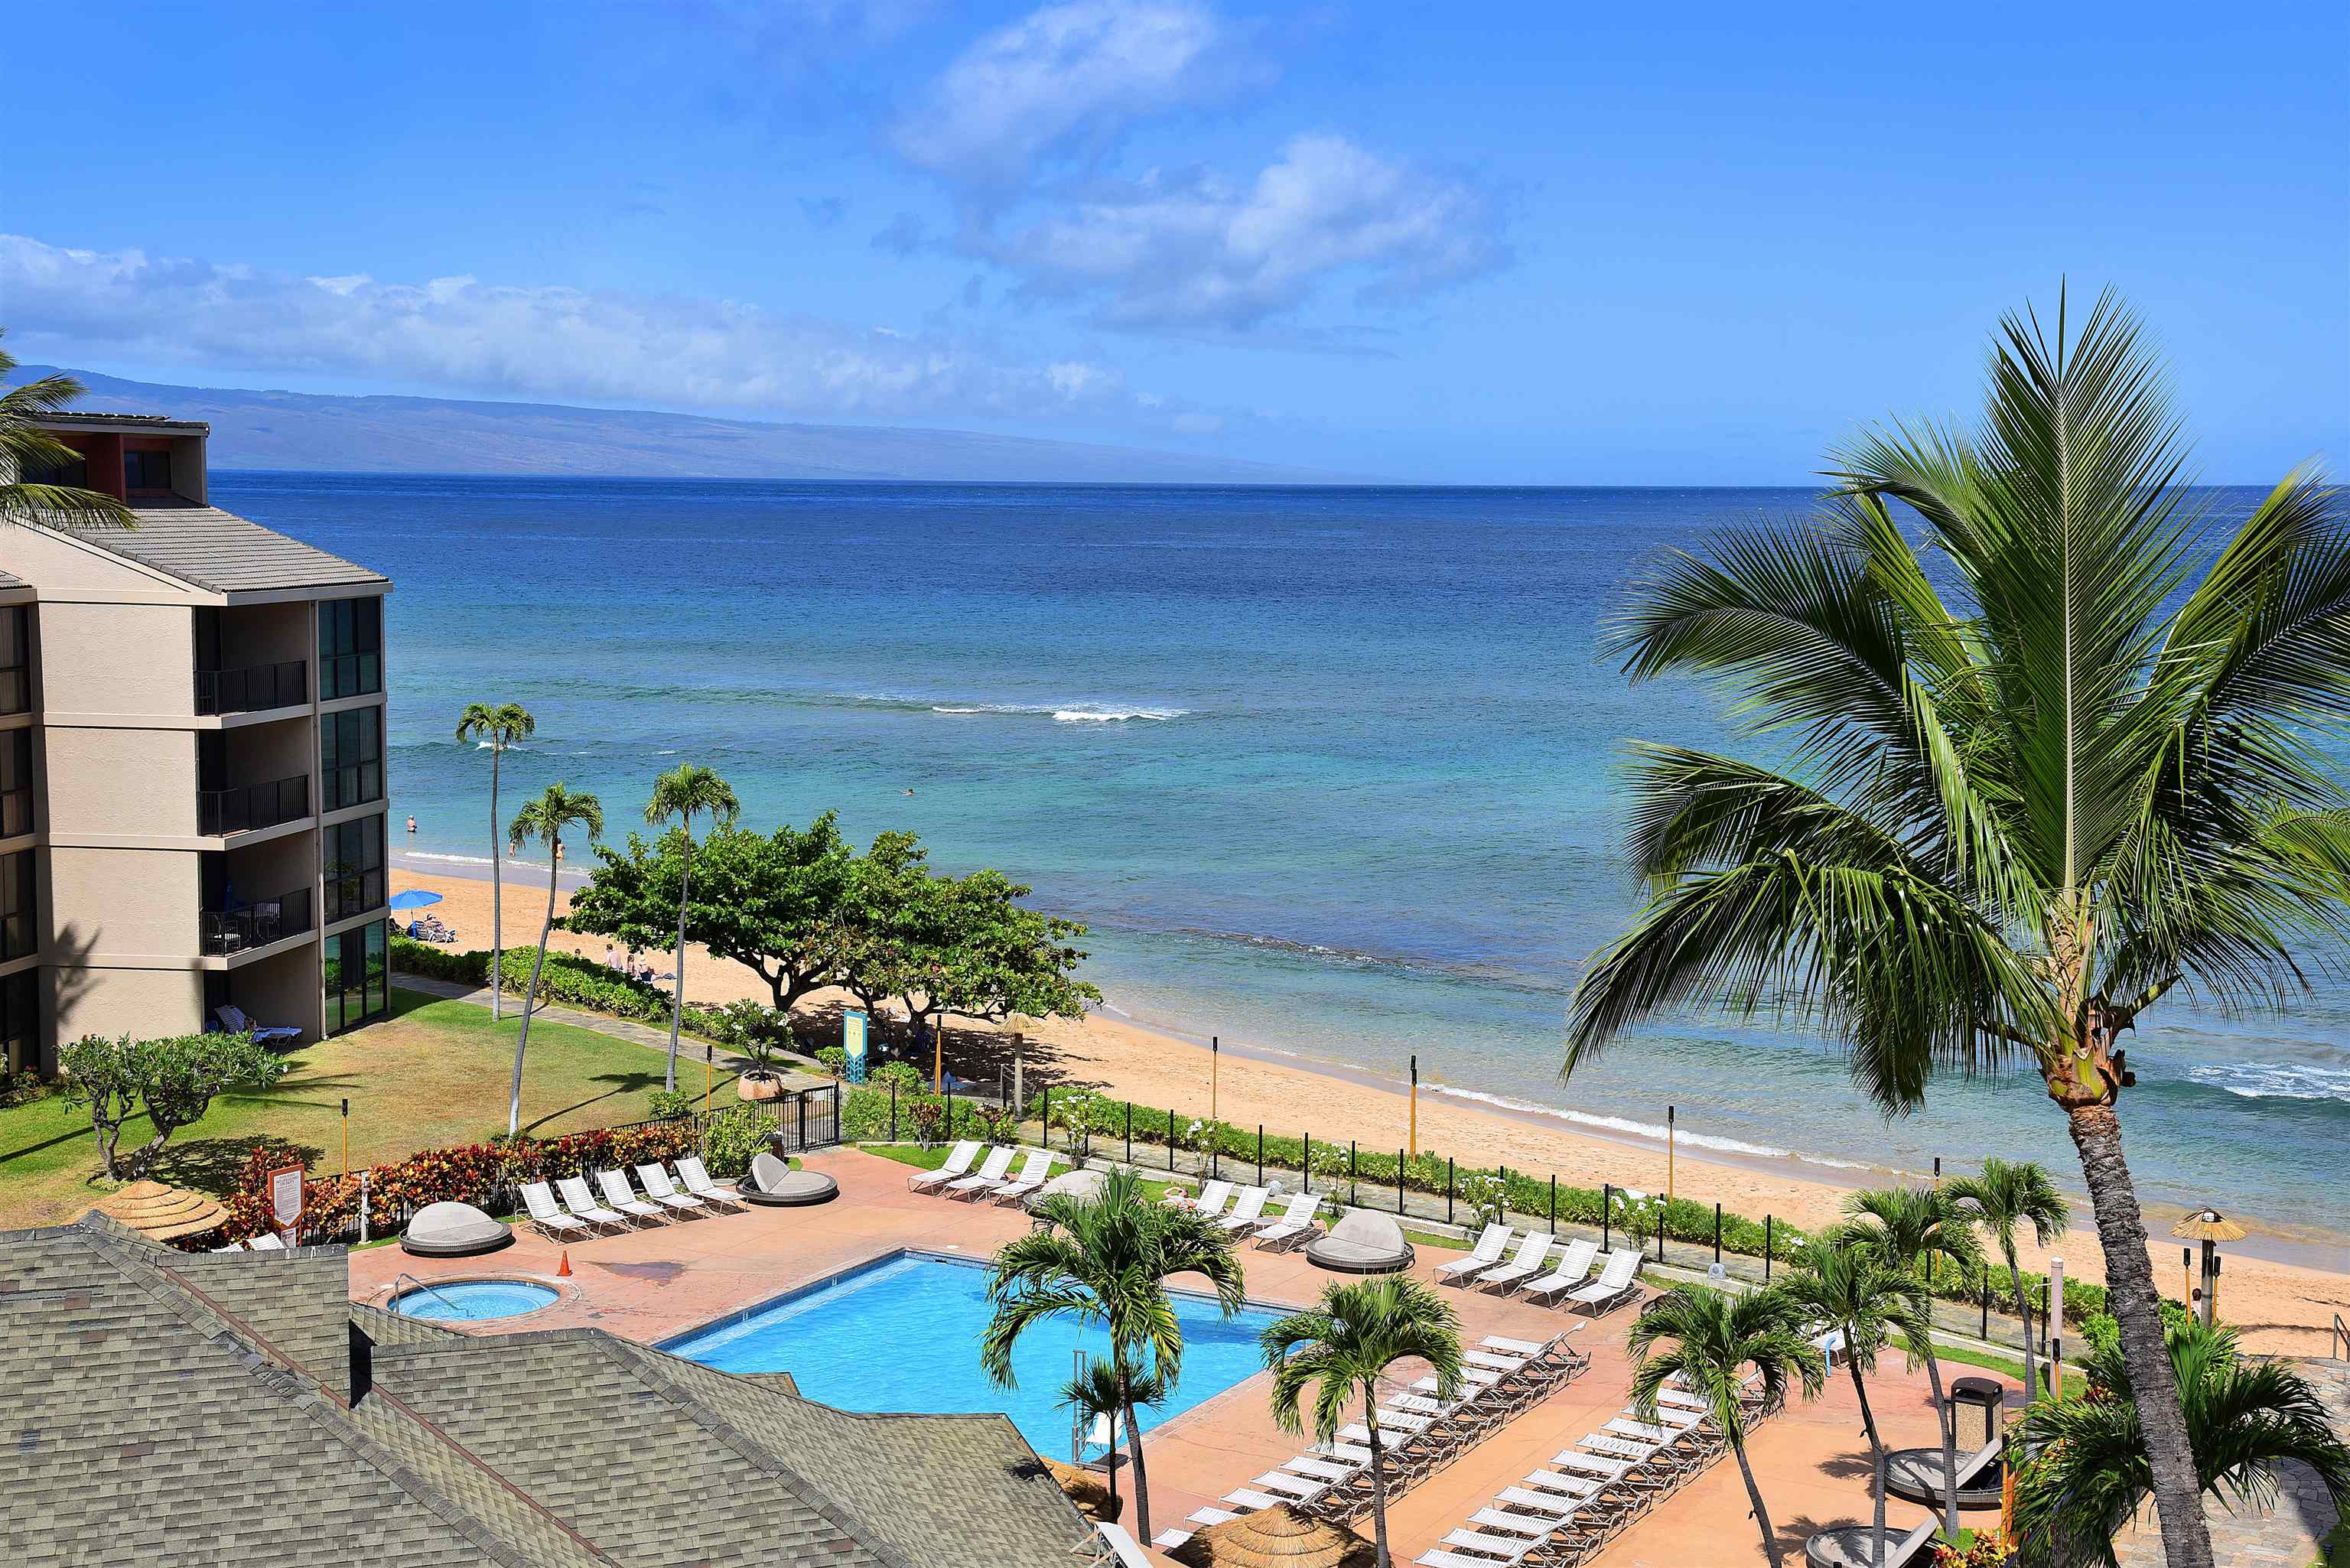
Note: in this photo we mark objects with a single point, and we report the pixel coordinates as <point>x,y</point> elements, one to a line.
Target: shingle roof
<point>192,1408</point>
<point>222,552</point>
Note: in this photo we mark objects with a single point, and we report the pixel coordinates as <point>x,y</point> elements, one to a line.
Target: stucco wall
<point>149,1003</point>
<point>124,783</point>
<point>117,659</point>
<point>125,903</point>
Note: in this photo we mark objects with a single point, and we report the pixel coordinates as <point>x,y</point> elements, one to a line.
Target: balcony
<point>252,806</point>
<point>253,687</point>
<point>257,924</point>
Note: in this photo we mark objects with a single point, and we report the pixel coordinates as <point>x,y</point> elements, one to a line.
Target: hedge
<point>573,980</point>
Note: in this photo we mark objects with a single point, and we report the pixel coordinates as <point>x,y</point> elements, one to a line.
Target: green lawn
<point>432,1073</point>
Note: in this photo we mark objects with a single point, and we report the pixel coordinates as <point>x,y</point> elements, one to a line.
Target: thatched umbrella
<point>1275,1537</point>
<point>1087,1491</point>
<point>162,1213</point>
<point>2210,1227</point>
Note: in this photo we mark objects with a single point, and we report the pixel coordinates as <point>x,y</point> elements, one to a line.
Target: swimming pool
<point>902,1333</point>
<point>471,1299</point>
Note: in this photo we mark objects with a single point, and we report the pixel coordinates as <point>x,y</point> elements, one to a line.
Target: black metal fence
<point>250,806</point>
<point>252,688</point>
<point>257,924</point>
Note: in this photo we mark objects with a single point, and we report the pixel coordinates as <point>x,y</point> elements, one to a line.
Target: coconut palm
<point>26,448</point>
<point>1909,1228</point>
<point>556,812</point>
<point>2027,793</point>
<point>498,728</point>
<point>1100,1392</point>
<point>2089,1470</point>
<point>1708,1339</point>
<point>2010,1193</point>
<point>681,792</point>
<point>1343,1348</point>
<point>1855,1291</point>
<point>1105,1258</point>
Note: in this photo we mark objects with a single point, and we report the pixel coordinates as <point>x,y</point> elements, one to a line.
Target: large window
<point>146,471</point>
<point>358,982</point>
<point>15,783</point>
<point>354,868</point>
<point>19,933</point>
<point>20,1021</point>
<point>16,658</point>
<point>350,758</point>
<point>350,647</point>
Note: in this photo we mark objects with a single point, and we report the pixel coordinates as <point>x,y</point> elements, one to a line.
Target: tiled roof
<point>68,418</point>
<point>222,552</point>
<point>192,1408</point>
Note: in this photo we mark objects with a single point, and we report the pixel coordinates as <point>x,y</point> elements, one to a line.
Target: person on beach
<point>611,957</point>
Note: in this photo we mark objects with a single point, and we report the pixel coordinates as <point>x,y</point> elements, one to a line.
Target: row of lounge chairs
<point>579,1212</point>
<point>1569,1283</point>
<point>1294,1226</point>
<point>1420,1433</point>
<point>1559,1515</point>
<point>995,1182</point>
<point>266,1241</point>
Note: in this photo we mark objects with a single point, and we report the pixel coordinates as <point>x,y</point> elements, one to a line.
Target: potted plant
<point>759,1039</point>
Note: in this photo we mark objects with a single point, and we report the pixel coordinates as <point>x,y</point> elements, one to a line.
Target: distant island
<point>311,433</point>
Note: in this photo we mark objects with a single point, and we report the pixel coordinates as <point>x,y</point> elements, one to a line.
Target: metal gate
<point>809,1118</point>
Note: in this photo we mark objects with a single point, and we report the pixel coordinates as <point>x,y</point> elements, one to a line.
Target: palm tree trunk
<point>2023,1309</point>
<point>1379,1478</point>
<point>522,1037</point>
<point>1141,1479</point>
<point>1754,1497</point>
<point>2130,1294</point>
<point>497,909</point>
<point>677,980</point>
<point>1947,1418</point>
<point>1876,1451</point>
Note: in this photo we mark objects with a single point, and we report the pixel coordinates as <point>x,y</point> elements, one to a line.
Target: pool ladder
<point>428,1289</point>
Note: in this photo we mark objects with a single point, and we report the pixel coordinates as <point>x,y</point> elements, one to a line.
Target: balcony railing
<point>251,806</point>
<point>257,924</point>
<point>252,688</point>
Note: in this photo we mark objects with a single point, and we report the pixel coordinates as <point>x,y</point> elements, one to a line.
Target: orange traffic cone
<point>563,1269</point>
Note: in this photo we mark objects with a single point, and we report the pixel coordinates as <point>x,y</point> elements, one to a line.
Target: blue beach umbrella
<point>414,898</point>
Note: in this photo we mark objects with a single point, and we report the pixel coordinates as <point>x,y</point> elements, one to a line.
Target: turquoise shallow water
<point>905,1336</point>
<point>467,1300</point>
<point>1328,771</point>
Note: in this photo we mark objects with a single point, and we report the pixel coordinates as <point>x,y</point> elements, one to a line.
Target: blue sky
<point>1479,244</point>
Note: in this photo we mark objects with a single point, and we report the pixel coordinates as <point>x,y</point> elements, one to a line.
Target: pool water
<point>903,1334</point>
<point>471,1299</point>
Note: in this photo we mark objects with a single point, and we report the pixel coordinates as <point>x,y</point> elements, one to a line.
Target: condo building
<point>191,779</point>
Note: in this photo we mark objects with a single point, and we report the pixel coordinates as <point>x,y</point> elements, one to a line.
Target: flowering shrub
<point>1988,1550</point>
<point>928,1119</point>
<point>1483,1191</point>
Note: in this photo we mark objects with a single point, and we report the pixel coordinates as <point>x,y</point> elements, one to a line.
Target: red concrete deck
<point>1811,1461</point>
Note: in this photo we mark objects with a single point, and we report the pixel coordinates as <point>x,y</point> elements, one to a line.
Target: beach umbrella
<point>162,1213</point>
<point>2210,1227</point>
<point>1275,1537</point>
<point>414,898</point>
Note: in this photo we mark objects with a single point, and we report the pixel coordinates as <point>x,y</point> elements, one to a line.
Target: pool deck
<point>1812,1462</point>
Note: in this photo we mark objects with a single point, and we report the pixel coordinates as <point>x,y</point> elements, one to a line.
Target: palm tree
<point>1713,1337</point>
<point>498,727</point>
<point>1853,1290</point>
<point>2007,1194</point>
<point>1344,1346</point>
<point>2089,1470</point>
<point>1908,1228</point>
<point>1105,1258</point>
<point>546,819</point>
<point>25,448</point>
<point>2030,791</point>
<point>1101,1391</point>
<point>681,793</point>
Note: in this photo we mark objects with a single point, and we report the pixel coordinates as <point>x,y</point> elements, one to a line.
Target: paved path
<point>2286,1536</point>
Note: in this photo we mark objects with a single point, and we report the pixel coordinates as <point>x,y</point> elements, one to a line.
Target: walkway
<point>2290,1535</point>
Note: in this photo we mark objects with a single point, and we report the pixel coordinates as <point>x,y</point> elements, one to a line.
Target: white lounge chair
<point>1490,1243</point>
<point>1123,1550</point>
<point>622,1196</point>
<point>1247,1209</point>
<point>1248,1500</point>
<point>958,1165</point>
<point>582,1202</point>
<point>267,1242</point>
<point>1524,1265</point>
<point>1573,1268</point>
<point>1296,1222</point>
<point>696,1177</point>
<point>1035,1170</point>
<point>233,1019</point>
<point>232,1247</point>
<point>1210,1200</point>
<point>662,1191</point>
<point>546,1216</point>
<point>989,1174</point>
<point>1619,1279</point>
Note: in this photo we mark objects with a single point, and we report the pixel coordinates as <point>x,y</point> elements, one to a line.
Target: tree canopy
<point>174,1081</point>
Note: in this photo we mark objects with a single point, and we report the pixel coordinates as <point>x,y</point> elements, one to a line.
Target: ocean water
<point>1330,771</point>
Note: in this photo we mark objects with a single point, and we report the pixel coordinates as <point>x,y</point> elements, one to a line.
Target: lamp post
<point>1215,1065</point>
<point>1668,1153</point>
<point>1414,1138</point>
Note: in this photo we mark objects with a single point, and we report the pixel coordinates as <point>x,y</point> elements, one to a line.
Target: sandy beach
<point>2283,1300</point>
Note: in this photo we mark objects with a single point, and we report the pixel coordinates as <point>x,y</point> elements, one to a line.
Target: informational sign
<point>852,1044</point>
<point>285,1198</point>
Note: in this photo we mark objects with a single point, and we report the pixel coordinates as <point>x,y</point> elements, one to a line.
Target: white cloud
<point>1205,254</point>
<point>528,340</point>
<point>1064,79</point>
